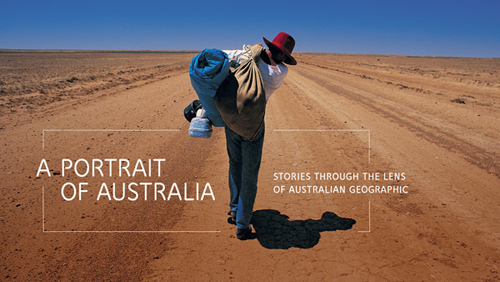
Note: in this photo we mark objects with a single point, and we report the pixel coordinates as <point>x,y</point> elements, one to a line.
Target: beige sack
<point>241,99</point>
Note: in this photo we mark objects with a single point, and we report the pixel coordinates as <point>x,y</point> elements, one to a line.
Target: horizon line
<point>41,50</point>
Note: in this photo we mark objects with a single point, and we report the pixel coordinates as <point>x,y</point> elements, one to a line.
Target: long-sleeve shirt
<point>272,76</point>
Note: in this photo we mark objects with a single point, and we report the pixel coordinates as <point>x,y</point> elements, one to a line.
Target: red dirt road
<point>385,115</point>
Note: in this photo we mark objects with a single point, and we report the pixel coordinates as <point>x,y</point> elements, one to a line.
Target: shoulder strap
<point>256,51</point>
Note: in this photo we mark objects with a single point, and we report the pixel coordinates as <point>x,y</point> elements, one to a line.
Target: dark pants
<point>244,164</point>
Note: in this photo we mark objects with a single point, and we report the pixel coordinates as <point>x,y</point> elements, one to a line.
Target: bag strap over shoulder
<point>256,51</point>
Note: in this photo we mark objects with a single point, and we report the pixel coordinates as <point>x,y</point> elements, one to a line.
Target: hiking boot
<point>243,232</point>
<point>233,216</point>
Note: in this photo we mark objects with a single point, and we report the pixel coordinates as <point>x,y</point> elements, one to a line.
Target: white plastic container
<point>200,127</point>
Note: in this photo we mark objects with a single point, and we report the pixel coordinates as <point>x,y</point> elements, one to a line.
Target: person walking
<point>245,154</point>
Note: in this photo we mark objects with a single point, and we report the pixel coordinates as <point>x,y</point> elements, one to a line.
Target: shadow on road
<point>273,230</point>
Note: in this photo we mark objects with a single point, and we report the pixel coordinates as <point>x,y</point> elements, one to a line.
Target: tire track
<point>427,128</point>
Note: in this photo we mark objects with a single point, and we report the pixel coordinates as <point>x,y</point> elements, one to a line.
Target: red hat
<point>285,43</point>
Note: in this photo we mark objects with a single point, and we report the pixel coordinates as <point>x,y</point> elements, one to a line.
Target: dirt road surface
<point>426,126</point>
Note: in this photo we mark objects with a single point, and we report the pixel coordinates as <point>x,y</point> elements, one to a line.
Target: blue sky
<point>429,28</point>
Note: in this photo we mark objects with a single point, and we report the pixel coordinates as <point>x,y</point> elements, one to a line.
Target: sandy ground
<point>431,121</point>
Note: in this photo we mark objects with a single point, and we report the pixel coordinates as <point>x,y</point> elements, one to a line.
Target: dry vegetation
<point>29,80</point>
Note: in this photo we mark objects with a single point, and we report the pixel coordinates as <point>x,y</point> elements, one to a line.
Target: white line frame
<point>108,231</point>
<point>369,220</point>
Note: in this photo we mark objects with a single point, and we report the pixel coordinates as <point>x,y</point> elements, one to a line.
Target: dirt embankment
<point>31,81</point>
